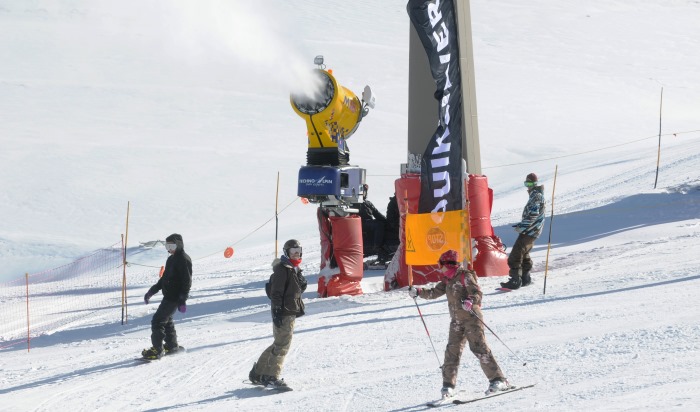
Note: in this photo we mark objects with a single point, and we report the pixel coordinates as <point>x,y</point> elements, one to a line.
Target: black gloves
<point>277,316</point>
<point>302,283</point>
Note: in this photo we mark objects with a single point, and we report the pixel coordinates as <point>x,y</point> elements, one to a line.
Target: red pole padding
<point>490,259</point>
<point>396,276</point>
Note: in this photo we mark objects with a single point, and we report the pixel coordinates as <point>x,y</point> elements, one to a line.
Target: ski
<point>479,398</point>
<point>504,290</point>
<point>446,401</point>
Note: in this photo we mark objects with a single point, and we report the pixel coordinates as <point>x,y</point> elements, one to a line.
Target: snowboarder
<point>286,286</point>
<point>463,294</point>
<point>175,284</point>
<point>529,230</point>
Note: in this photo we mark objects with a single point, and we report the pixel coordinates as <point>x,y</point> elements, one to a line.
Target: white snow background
<point>182,108</point>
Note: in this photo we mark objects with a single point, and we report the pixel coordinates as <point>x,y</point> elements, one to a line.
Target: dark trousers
<point>519,257</point>
<point>162,326</point>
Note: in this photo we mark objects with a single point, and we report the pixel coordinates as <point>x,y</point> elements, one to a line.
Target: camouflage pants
<point>472,331</point>
<point>271,361</point>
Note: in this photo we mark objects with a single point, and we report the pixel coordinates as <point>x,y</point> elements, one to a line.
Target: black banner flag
<point>441,166</point>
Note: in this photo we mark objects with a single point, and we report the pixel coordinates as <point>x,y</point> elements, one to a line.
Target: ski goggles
<point>170,247</point>
<point>530,184</point>
<point>293,251</point>
<point>447,262</point>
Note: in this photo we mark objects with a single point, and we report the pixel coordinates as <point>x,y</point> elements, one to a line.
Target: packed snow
<point>182,109</point>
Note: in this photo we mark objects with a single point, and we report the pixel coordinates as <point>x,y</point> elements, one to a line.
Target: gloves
<point>182,308</point>
<point>413,292</point>
<point>277,316</point>
<point>147,297</point>
<point>302,283</point>
<point>467,304</point>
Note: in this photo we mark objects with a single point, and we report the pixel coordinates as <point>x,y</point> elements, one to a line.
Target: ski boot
<point>526,279</point>
<point>497,385</point>
<point>447,392</point>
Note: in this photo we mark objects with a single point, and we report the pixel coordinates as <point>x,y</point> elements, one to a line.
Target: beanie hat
<point>531,178</point>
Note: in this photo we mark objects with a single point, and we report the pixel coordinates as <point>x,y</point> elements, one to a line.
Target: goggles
<point>293,251</point>
<point>170,247</point>
<point>447,262</point>
<point>530,184</point>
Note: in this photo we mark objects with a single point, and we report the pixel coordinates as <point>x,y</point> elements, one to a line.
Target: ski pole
<point>494,334</point>
<point>415,300</point>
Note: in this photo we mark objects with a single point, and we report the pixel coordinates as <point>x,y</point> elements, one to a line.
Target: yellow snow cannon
<point>332,114</point>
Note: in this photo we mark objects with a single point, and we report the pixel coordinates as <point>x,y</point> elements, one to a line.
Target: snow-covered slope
<point>183,110</point>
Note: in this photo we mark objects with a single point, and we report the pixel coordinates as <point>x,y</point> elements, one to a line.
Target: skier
<point>528,230</point>
<point>286,286</point>
<point>175,284</point>
<point>464,302</point>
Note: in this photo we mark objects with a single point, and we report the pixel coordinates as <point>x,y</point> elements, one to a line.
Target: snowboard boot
<point>254,377</point>
<point>170,349</point>
<point>514,281</point>
<point>272,382</point>
<point>152,353</point>
<point>497,385</point>
<point>526,280</point>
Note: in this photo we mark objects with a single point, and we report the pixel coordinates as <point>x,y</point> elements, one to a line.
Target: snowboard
<point>181,350</point>
<point>270,388</point>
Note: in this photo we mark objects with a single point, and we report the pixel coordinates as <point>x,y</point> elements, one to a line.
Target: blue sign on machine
<point>319,180</point>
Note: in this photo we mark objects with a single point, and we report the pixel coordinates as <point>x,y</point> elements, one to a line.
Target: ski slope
<point>183,110</point>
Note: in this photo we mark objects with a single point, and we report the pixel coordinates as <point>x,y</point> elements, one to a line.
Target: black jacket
<point>286,286</point>
<point>177,276</point>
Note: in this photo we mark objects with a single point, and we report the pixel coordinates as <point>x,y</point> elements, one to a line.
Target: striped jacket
<point>533,214</point>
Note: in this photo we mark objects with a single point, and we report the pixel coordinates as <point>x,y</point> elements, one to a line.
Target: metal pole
<point>494,334</point>
<point>551,223</point>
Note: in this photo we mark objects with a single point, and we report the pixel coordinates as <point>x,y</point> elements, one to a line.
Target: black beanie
<point>174,238</point>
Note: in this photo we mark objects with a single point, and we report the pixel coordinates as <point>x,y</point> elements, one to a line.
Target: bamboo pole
<point>658,155</point>
<point>277,223</point>
<point>551,223</point>
<point>125,314</point>
<point>26,277</point>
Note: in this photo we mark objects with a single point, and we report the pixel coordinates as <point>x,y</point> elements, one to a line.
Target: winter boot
<point>447,392</point>
<point>514,281</point>
<point>526,280</point>
<point>152,353</point>
<point>254,377</point>
<point>497,385</point>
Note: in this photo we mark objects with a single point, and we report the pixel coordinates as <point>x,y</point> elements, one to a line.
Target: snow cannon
<point>332,114</point>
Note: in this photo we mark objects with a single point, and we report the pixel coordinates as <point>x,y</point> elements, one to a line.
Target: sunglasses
<point>530,184</point>
<point>170,247</point>
<point>293,251</point>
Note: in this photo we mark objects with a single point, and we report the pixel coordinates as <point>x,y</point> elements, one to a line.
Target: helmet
<point>449,258</point>
<point>291,243</point>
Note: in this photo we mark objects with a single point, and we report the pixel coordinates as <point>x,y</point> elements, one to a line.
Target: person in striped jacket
<point>529,229</point>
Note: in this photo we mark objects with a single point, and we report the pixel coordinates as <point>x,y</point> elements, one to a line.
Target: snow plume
<point>253,36</point>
